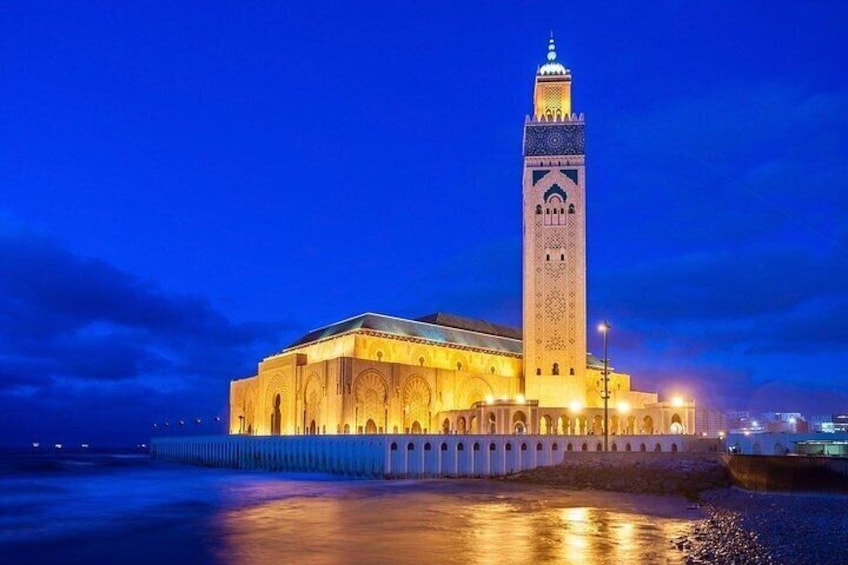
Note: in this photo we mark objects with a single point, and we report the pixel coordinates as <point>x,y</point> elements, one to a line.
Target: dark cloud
<point>47,290</point>
<point>721,286</point>
<point>71,327</point>
<point>730,165</point>
<point>821,326</point>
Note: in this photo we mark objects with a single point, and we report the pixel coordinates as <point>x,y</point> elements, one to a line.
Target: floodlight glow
<point>677,401</point>
<point>623,407</point>
<point>575,407</point>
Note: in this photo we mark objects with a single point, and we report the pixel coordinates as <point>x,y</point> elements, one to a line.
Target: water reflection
<point>453,522</point>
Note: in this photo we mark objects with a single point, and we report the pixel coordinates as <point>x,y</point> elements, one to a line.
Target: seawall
<point>791,473</point>
<point>401,456</point>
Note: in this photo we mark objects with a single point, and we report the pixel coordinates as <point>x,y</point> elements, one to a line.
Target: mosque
<point>445,374</point>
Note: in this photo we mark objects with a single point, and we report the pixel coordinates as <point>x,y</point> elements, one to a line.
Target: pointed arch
<point>278,415</point>
<point>371,394</point>
<point>555,189</point>
<point>474,390</point>
<point>416,400</point>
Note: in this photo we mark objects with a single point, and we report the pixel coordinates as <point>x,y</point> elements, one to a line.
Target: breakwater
<point>402,456</point>
<point>793,473</point>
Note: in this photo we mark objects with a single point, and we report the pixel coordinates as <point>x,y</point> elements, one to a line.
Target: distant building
<point>710,423</point>
<point>446,374</point>
<point>831,423</point>
<point>782,422</point>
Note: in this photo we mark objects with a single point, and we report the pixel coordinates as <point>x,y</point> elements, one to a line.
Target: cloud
<point>720,286</point>
<point>733,164</point>
<point>73,319</point>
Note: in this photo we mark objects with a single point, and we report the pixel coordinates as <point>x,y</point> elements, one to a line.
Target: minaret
<point>554,301</point>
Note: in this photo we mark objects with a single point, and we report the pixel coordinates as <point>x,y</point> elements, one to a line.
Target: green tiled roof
<point>459,332</point>
<point>439,328</point>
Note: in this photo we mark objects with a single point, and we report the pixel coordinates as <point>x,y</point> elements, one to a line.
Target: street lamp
<point>604,328</point>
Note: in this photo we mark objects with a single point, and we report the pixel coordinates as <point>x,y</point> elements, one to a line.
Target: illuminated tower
<point>554,301</point>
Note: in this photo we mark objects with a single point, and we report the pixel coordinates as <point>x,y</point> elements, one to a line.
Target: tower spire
<point>551,48</point>
<point>552,66</point>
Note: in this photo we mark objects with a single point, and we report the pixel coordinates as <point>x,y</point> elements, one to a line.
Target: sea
<point>127,508</point>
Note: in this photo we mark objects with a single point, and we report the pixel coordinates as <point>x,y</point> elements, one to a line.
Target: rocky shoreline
<point>769,528</point>
<point>741,527</point>
<point>686,474</point>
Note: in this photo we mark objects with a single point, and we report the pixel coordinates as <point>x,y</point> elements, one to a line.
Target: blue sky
<point>186,190</point>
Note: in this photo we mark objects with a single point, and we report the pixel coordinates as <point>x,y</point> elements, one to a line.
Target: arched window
<point>460,447</point>
<point>555,447</point>
<point>444,447</point>
<point>538,370</point>
<point>538,447</point>
<point>569,447</point>
<point>523,447</point>
<point>555,369</point>
<point>394,446</point>
<point>492,447</point>
<point>509,447</point>
<point>476,447</point>
<point>571,208</point>
<point>427,446</point>
<point>538,208</point>
<point>410,446</point>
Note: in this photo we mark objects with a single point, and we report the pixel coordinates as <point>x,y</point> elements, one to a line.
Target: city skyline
<point>184,193</point>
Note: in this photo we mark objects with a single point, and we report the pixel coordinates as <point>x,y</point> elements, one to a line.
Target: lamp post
<point>604,329</point>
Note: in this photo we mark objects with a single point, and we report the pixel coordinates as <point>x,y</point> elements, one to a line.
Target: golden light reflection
<point>576,514</point>
<point>623,534</point>
<point>444,522</point>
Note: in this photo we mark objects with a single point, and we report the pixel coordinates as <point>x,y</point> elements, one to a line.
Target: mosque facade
<point>377,374</point>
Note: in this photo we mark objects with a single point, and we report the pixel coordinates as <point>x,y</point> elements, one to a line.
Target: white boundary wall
<point>396,456</point>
